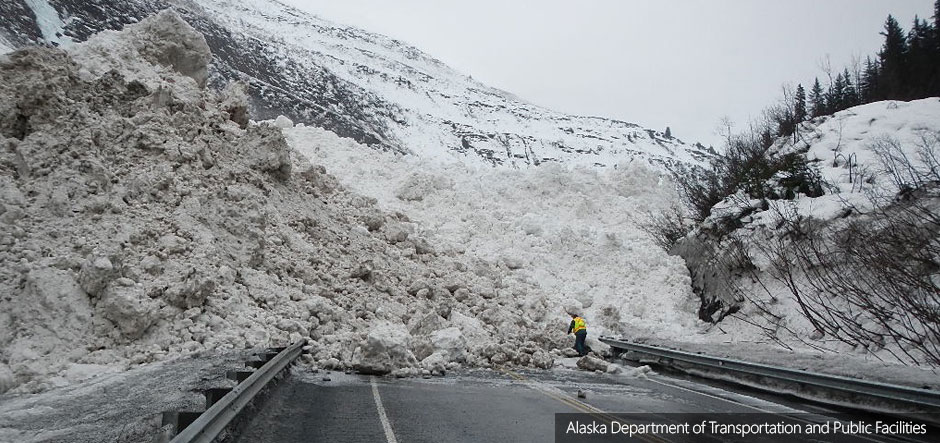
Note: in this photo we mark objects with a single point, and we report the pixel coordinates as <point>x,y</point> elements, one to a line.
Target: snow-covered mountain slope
<point>376,90</point>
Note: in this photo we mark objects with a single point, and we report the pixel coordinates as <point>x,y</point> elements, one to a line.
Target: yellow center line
<point>581,406</point>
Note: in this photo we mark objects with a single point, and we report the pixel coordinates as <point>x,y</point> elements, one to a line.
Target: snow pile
<point>564,239</point>
<point>142,218</point>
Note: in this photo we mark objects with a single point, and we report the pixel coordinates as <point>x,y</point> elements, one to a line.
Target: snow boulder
<point>7,380</point>
<point>283,122</point>
<point>129,309</point>
<point>419,186</point>
<point>267,151</point>
<point>164,39</point>
<point>168,40</point>
<point>95,273</point>
<point>586,299</point>
<point>450,343</point>
<point>589,363</point>
<point>384,350</point>
<point>234,101</point>
<point>542,360</point>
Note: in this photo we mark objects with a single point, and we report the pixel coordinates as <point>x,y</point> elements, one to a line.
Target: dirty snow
<point>100,409</point>
<point>144,218</point>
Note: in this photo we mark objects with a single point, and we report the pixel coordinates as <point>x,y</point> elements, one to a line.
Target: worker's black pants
<point>579,342</point>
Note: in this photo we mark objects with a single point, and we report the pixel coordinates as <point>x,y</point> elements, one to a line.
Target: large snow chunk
<point>95,274</point>
<point>7,381</point>
<point>49,318</point>
<point>234,101</point>
<point>168,40</point>
<point>164,39</point>
<point>283,122</point>
<point>129,309</point>
<point>384,350</point>
<point>419,186</point>
<point>267,151</point>
<point>589,363</point>
<point>574,307</point>
<point>450,343</point>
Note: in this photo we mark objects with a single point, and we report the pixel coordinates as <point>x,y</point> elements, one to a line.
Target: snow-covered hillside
<point>374,89</point>
<point>854,269</point>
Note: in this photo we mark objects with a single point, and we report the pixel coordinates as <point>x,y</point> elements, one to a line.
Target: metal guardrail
<point>923,398</point>
<point>213,421</point>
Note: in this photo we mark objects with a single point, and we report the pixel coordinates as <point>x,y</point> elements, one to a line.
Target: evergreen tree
<point>849,94</point>
<point>932,87</point>
<point>868,89</point>
<point>835,100</point>
<point>799,105</point>
<point>920,42</point>
<point>817,99</point>
<point>936,16</point>
<point>668,133</point>
<point>893,56</point>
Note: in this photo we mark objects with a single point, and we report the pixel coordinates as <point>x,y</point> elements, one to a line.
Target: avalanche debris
<point>143,217</point>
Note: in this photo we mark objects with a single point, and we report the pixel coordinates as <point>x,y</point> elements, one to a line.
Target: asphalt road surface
<point>486,406</point>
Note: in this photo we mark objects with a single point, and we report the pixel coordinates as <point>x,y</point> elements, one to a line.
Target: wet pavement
<point>483,406</point>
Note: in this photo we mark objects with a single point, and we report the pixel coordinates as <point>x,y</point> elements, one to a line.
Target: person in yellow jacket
<point>580,333</point>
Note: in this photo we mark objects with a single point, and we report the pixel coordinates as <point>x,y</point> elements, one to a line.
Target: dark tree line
<point>906,68</point>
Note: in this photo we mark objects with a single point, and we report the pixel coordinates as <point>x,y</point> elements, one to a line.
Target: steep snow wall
<point>142,217</point>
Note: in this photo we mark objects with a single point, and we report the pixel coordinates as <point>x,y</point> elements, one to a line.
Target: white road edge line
<point>781,414</point>
<point>389,434</point>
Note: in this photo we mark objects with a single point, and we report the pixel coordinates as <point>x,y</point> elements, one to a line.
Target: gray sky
<point>681,63</point>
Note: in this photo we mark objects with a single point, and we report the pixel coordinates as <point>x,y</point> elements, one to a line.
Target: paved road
<point>478,406</point>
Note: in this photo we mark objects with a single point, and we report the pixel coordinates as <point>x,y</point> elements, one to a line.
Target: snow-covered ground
<point>117,406</point>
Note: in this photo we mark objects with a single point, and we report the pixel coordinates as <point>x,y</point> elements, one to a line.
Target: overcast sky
<point>681,63</point>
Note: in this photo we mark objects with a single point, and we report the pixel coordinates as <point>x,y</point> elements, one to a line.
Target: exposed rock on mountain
<point>376,90</point>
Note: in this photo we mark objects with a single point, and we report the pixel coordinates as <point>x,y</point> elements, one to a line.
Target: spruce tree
<point>868,89</point>
<point>920,42</point>
<point>893,56</point>
<point>835,100</point>
<point>668,133</point>
<point>799,105</point>
<point>817,99</point>
<point>849,94</point>
<point>933,86</point>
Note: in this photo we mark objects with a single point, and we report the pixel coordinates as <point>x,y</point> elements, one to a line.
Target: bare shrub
<point>909,170</point>
<point>871,281</point>
<point>748,165</point>
<point>667,227</point>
